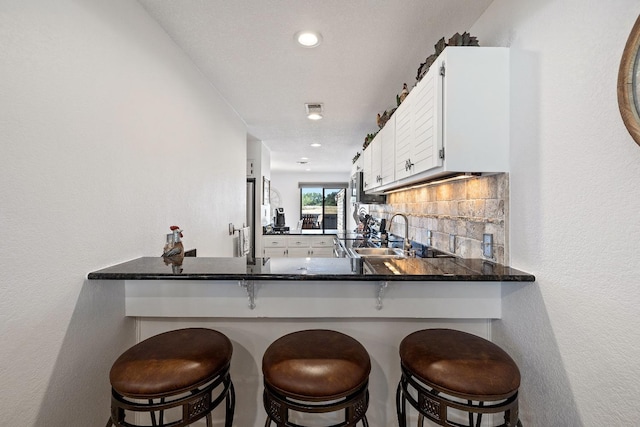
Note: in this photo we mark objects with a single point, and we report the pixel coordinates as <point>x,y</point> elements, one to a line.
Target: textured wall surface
<point>466,209</point>
<point>109,135</point>
<point>576,332</point>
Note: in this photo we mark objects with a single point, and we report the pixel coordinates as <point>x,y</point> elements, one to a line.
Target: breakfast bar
<point>313,287</point>
<point>254,301</point>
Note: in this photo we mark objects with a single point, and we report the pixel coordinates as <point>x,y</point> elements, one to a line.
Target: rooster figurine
<point>174,247</point>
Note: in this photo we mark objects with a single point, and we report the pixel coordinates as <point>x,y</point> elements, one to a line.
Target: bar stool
<point>173,377</point>
<point>445,370</point>
<point>316,371</point>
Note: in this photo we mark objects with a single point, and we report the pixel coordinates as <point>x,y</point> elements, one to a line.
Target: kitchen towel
<point>244,241</point>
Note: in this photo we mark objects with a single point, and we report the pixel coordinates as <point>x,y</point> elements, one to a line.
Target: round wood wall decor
<point>629,83</point>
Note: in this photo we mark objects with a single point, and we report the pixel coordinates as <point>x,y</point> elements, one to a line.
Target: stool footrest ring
<point>195,404</point>
<point>434,404</point>
<point>278,405</point>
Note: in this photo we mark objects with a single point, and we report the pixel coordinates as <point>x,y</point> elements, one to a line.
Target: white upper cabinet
<point>368,178</point>
<point>375,166</point>
<point>404,138</point>
<point>357,165</point>
<point>476,109</point>
<point>380,167</point>
<point>417,132</point>
<point>456,119</point>
<point>387,152</point>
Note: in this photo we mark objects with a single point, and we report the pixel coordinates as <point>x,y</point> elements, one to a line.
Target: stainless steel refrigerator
<point>251,214</point>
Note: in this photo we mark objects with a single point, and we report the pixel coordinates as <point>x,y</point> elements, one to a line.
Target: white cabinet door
<point>387,152</point>
<point>404,138</point>
<point>274,241</point>
<point>427,122</point>
<point>376,161</point>
<point>419,127</point>
<point>357,165</point>
<point>367,177</point>
<point>323,246</point>
<point>274,252</point>
<point>299,252</point>
<point>299,241</point>
<point>476,109</point>
<point>322,241</point>
<point>299,246</point>
<point>274,246</point>
<point>322,252</point>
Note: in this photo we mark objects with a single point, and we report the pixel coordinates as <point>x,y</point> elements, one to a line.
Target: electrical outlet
<point>452,243</point>
<point>487,245</point>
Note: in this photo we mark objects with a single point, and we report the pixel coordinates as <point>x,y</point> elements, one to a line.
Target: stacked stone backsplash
<point>466,208</point>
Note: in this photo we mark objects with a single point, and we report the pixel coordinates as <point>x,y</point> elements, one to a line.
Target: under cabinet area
<point>298,246</point>
<point>455,120</point>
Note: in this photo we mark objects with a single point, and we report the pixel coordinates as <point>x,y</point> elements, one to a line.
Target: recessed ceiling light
<point>314,111</point>
<point>316,145</point>
<point>308,38</point>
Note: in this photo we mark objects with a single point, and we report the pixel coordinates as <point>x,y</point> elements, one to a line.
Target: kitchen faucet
<point>407,243</point>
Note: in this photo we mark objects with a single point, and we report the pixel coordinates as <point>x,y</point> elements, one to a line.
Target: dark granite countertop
<point>319,269</point>
<point>300,233</point>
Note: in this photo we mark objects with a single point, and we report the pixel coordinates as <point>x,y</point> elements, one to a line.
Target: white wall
<point>287,184</point>
<point>574,222</point>
<point>109,135</point>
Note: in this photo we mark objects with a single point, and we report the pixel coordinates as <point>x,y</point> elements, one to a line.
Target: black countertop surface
<point>319,269</point>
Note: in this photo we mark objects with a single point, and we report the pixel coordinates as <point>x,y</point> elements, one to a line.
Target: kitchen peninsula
<point>378,301</point>
<point>313,287</point>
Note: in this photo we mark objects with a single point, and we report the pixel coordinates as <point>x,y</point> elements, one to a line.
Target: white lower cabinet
<point>274,246</point>
<point>274,252</point>
<point>298,246</point>
<point>322,246</point>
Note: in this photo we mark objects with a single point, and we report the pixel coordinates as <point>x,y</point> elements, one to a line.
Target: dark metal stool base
<point>195,404</point>
<point>434,404</point>
<point>278,405</point>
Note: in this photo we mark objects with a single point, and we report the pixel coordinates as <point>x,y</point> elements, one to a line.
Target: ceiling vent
<point>314,111</point>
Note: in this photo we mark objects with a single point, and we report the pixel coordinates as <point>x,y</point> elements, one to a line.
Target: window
<point>322,207</point>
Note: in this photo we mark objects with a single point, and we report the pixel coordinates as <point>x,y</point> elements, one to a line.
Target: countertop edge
<point>312,277</point>
<point>227,269</point>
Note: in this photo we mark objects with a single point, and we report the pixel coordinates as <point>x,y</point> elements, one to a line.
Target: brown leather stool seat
<point>316,371</point>
<point>448,369</point>
<point>173,377</point>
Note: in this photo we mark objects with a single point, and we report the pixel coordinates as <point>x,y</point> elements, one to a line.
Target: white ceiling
<point>370,48</point>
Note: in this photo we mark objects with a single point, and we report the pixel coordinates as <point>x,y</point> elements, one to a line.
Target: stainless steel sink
<point>377,253</point>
